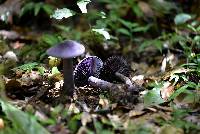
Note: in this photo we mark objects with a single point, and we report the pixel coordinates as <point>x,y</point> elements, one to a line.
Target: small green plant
<point>20,122</point>
<point>66,13</point>
<point>178,120</point>
<point>36,7</point>
<point>27,67</point>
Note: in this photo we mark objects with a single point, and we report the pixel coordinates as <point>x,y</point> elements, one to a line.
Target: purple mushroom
<point>113,65</point>
<point>89,66</point>
<point>67,50</point>
<point>88,71</point>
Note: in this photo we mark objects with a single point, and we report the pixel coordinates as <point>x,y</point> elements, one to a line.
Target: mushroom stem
<point>105,85</point>
<point>68,77</point>
<point>125,79</point>
<point>95,82</point>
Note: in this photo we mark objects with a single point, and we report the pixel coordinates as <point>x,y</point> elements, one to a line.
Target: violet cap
<point>89,66</point>
<point>66,49</point>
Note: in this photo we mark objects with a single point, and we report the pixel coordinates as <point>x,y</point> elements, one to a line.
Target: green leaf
<point>29,6</point>
<point>135,8</point>
<point>156,42</point>
<point>22,122</point>
<point>124,31</point>
<point>103,32</point>
<point>73,123</point>
<point>50,39</point>
<point>141,28</point>
<point>48,9</point>
<point>27,67</point>
<point>37,8</point>
<point>62,13</point>
<point>55,70</point>
<point>63,28</point>
<point>128,24</point>
<point>153,96</point>
<point>41,70</point>
<point>177,92</point>
<point>182,18</point>
<point>82,5</point>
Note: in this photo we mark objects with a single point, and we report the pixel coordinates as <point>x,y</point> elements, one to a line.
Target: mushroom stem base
<point>68,77</point>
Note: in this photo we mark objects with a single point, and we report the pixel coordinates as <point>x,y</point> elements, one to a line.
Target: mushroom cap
<point>111,66</point>
<point>66,49</point>
<point>89,66</point>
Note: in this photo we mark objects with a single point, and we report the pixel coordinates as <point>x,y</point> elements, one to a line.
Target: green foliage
<point>181,18</point>
<point>100,130</point>
<point>178,120</point>
<point>36,8</point>
<point>102,32</point>
<point>27,67</point>
<point>153,97</point>
<point>126,22</point>
<point>190,95</point>
<point>51,39</point>
<point>131,27</point>
<point>62,13</point>
<point>163,6</point>
<point>82,5</point>
<point>73,122</point>
<point>54,71</point>
<point>56,113</point>
<point>22,123</point>
<point>66,13</point>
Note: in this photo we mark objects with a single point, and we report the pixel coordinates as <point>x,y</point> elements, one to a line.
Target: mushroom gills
<point>113,65</point>
<point>89,66</point>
